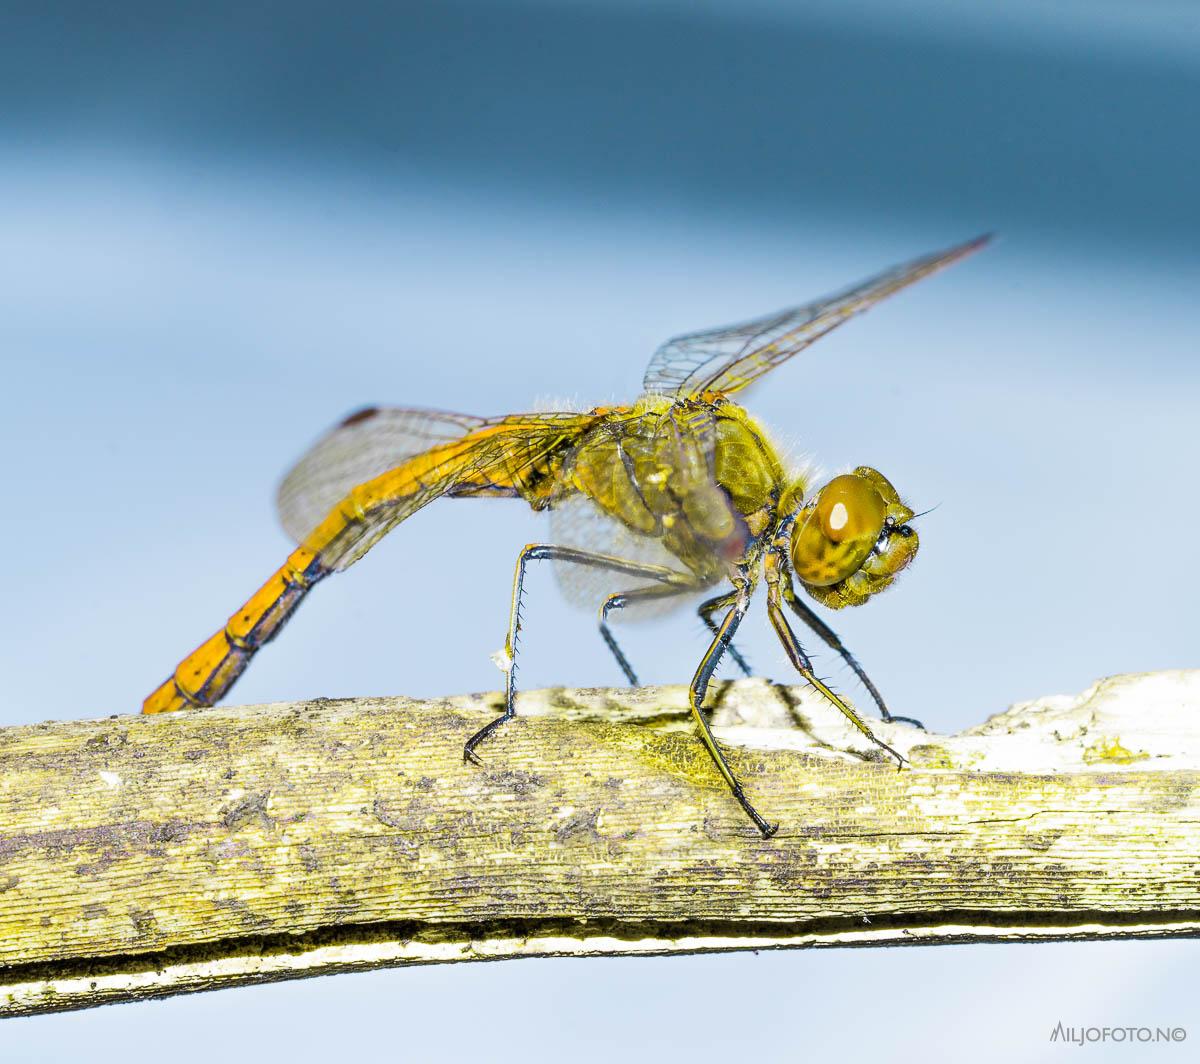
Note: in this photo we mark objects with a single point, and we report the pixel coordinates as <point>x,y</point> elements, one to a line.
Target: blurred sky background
<point>227,225</point>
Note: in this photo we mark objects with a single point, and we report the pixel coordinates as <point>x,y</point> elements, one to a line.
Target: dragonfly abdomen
<point>209,671</point>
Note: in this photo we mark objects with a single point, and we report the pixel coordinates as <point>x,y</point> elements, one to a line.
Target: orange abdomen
<point>209,671</point>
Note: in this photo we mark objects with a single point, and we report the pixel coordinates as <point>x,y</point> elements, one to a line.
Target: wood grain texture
<point>143,856</point>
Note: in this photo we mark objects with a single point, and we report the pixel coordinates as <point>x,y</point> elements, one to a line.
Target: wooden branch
<point>144,856</point>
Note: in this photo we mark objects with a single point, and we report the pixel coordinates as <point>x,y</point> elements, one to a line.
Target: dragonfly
<point>700,496</point>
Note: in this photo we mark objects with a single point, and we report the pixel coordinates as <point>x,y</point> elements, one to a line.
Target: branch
<point>145,856</point>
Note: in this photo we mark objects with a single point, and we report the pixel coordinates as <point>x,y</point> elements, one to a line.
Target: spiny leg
<point>810,618</point>
<point>538,552</point>
<point>706,611</point>
<point>699,688</point>
<point>803,663</point>
<point>619,601</point>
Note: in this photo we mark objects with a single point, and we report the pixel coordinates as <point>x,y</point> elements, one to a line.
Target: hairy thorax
<point>700,477</point>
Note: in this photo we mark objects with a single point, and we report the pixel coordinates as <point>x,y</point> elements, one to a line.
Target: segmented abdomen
<point>209,671</point>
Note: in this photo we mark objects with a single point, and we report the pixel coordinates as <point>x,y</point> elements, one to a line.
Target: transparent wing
<point>358,449</point>
<point>500,456</point>
<point>729,358</point>
<point>578,522</point>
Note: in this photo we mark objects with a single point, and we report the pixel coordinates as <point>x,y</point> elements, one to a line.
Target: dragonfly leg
<point>706,611</point>
<point>622,599</point>
<point>803,663</point>
<point>810,618</point>
<point>699,688</point>
<point>677,582</point>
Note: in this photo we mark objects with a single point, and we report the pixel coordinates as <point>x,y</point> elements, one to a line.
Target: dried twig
<point>144,856</point>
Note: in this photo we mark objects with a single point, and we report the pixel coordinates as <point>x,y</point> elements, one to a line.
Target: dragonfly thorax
<point>850,539</point>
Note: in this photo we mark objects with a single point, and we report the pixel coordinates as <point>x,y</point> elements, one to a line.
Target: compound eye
<point>850,508</point>
<point>836,535</point>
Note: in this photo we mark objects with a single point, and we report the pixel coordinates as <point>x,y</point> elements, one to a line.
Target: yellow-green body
<point>698,475</point>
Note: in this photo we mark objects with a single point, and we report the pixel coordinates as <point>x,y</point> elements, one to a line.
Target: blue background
<point>226,227</point>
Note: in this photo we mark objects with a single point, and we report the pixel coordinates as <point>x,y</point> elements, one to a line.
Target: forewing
<point>498,456</point>
<point>360,448</point>
<point>729,358</point>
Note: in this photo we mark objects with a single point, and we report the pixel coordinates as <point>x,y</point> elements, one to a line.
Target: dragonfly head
<point>851,538</point>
